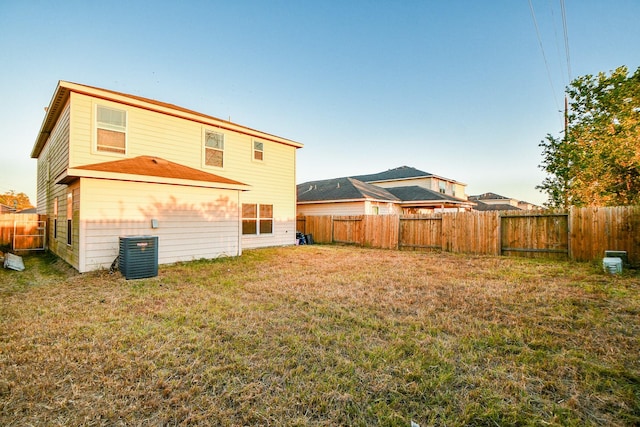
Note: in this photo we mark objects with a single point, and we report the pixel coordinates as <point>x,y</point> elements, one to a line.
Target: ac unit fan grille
<point>138,257</point>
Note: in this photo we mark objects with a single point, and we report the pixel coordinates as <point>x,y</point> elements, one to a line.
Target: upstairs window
<point>443,187</point>
<point>111,130</point>
<point>213,149</point>
<point>258,150</point>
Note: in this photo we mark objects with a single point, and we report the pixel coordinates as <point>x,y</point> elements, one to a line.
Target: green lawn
<point>322,335</point>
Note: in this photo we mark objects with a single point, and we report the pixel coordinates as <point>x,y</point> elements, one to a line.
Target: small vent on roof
<point>159,161</point>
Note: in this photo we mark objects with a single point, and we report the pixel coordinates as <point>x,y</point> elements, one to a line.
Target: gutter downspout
<point>239,210</point>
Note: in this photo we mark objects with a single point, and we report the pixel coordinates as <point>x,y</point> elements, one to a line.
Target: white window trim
<point>69,208</point>
<point>258,218</point>
<point>205,130</point>
<point>253,150</point>
<point>96,127</point>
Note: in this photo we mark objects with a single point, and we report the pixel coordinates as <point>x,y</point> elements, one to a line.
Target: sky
<point>464,89</point>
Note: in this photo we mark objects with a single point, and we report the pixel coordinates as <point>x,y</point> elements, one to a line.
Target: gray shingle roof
<point>487,196</point>
<point>414,193</point>
<point>480,206</point>
<point>401,172</point>
<point>341,189</point>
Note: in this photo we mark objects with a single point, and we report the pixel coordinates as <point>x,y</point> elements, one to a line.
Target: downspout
<point>239,210</point>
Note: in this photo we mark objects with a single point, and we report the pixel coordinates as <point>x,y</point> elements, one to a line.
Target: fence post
<point>569,231</point>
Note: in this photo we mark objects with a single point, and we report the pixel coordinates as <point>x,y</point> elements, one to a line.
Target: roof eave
<point>435,203</point>
<point>53,111</point>
<point>64,88</point>
<point>176,111</point>
<point>309,202</point>
<point>73,174</point>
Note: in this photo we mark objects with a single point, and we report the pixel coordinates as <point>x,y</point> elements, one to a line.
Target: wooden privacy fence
<point>581,234</point>
<point>23,232</point>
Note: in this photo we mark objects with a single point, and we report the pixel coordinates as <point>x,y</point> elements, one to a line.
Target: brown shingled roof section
<point>155,166</point>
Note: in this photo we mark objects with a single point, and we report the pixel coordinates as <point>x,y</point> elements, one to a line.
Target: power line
<point>566,36</point>
<point>544,56</point>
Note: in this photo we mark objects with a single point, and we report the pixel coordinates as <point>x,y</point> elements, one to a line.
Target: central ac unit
<point>138,257</point>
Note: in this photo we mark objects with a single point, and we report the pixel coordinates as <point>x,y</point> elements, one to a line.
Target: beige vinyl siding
<point>341,209</point>
<point>384,208</point>
<point>150,133</point>
<point>58,243</point>
<point>272,182</point>
<point>193,222</point>
<point>460,192</point>
<point>53,160</point>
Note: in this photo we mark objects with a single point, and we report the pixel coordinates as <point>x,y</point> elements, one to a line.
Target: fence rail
<point>581,234</point>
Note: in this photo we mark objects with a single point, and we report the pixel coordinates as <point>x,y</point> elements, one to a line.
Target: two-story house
<point>402,190</point>
<point>112,164</point>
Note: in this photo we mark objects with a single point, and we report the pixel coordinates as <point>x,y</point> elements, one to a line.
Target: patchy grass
<point>322,335</point>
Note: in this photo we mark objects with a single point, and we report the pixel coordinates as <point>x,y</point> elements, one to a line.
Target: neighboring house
<point>496,202</point>
<point>403,190</point>
<point>345,196</point>
<point>404,176</point>
<point>28,211</point>
<point>112,164</point>
<point>7,209</point>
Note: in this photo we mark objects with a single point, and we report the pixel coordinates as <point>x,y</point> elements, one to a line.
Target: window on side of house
<point>443,187</point>
<point>213,149</point>
<point>55,217</point>
<point>69,218</point>
<point>266,219</point>
<point>257,219</point>
<point>111,130</point>
<point>258,151</point>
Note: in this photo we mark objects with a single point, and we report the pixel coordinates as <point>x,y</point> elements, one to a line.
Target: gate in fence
<point>23,232</point>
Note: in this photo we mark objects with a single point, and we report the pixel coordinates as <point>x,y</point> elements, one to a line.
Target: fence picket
<point>581,234</point>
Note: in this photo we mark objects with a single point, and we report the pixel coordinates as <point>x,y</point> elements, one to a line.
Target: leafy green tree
<point>597,161</point>
<point>18,200</point>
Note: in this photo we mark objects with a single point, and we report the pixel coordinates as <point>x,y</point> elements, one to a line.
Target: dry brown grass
<point>322,335</point>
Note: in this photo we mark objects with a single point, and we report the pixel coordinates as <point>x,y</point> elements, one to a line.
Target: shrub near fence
<point>581,234</point>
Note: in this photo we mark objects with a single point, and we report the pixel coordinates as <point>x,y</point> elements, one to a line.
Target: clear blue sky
<point>456,88</point>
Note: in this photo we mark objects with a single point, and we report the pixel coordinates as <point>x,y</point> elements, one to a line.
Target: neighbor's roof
<point>350,189</point>
<point>341,189</point>
<point>400,173</point>
<point>488,196</point>
<point>150,169</point>
<point>413,194</point>
<point>64,89</point>
<point>480,206</point>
